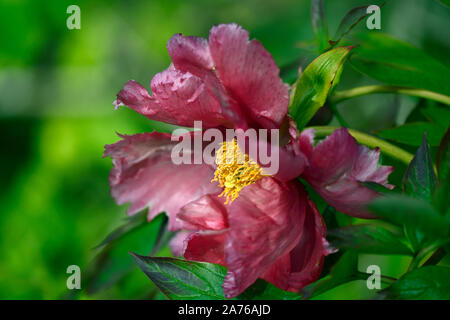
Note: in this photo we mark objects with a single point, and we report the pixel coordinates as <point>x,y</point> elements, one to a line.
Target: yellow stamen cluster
<point>234,170</point>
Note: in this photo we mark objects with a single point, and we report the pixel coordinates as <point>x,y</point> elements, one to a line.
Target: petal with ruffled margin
<point>303,264</point>
<point>337,165</point>
<point>265,223</point>
<point>190,54</point>
<point>249,74</point>
<point>206,213</point>
<point>144,175</point>
<point>178,98</point>
<point>280,240</point>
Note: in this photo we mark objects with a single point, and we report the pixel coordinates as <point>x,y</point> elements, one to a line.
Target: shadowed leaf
<point>188,280</point>
<point>367,239</point>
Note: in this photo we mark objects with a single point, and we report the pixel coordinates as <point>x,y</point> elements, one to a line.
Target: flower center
<point>234,170</point>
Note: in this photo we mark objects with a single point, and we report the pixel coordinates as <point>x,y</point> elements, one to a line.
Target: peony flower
<point>233,214</point>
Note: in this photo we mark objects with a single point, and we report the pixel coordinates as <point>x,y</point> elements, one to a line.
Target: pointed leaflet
<point>351,19</point>
<point>315,83</point>
<point>420,180</point>
<point>188,280</point>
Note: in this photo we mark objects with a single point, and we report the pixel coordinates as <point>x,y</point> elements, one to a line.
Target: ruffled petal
<point>337,165</point>
<point>206,246</point>
<point>178,98</point>
<point>206,213</point>
<point>190,54</point>
<point>249,74</point>
<point>145,175</point>
<point>303,264</point>
<point>178,243</point>
<point>265,223</point>
<point>306,259</point>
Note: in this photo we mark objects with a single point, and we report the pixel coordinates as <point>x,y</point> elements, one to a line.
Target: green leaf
<point>315,83</point>
<point>344,271</point>
<point>366,238</point>
<point>412,212</point>
<point>420,180</point>
<point>440,199</point>
<point>188,280</point>
<point>113,261</point>
<point>430,282</point>
<point>443,156</point>
<point>412,133</point>
<point>398,63</point>
<point>130,223</point>
<point>319,24</point>
<point>436,113</point>
<point>351,19</point>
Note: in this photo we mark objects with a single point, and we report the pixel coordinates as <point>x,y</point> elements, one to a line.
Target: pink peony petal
<point>190,54</point>
<point>179,242</point>
<point>145,175</point>
<point>178,98</point>
<point>265,223</point>
<point>206,246</point>
<point>206,213</point>
<point>337,164</point>
<point>306,259</point>
<point>249,74</point>
<point>303,264</point>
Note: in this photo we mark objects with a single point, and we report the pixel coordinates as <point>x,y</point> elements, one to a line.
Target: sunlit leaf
<point>367,239</point>
<point>315,83</point>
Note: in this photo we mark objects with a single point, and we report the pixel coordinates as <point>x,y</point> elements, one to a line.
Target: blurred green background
<point>56,90</point>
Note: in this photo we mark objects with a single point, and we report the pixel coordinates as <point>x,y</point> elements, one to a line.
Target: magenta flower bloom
<point>258,226</point>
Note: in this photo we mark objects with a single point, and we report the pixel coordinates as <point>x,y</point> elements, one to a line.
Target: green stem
<point>370,141</point>
<point>385,279</point>
<point>339,96</point>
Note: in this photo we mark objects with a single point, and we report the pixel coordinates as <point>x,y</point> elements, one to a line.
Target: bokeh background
<point>56,90</point>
